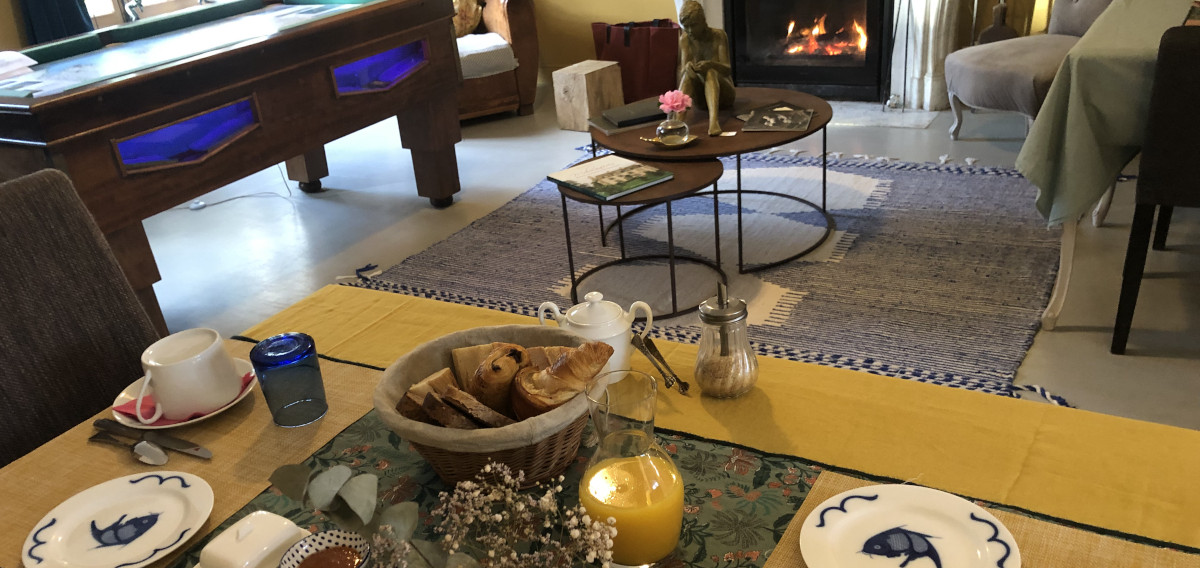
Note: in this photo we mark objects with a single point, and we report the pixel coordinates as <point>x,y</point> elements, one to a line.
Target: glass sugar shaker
<point>726,367</point>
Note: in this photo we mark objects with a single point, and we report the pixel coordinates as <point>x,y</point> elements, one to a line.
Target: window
<point>106,13</point>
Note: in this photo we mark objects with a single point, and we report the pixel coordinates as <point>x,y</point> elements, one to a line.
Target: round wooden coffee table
<point>630,143</point>
<point>690,177</point>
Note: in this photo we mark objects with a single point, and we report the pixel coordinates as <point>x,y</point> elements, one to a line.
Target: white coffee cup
<point>190,372</point>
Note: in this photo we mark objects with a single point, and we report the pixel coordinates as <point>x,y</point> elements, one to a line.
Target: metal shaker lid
<point>721,308</point>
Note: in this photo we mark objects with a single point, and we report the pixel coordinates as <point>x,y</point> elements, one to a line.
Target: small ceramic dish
<point>325,540</point>
<point>687,141</point>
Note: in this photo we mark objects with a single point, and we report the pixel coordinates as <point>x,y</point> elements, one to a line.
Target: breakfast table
<point>1075,488</point>
<point>1093,119</point>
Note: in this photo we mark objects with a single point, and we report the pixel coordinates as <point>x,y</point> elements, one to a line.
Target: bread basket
<point>542,446</point>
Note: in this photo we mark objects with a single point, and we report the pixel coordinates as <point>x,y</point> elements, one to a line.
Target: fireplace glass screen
<point>827,47</point>
<point>829,33</point>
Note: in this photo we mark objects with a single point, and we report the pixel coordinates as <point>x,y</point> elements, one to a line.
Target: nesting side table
<point>690,178</point>
<point>632,144</point>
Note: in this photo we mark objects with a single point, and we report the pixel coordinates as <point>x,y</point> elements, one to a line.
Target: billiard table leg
<point>429,131</point>
<point>308,169</point>
<point>131,247</point>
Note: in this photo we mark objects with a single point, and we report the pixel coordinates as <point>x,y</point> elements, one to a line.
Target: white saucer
<point>131,392</point>
<point>130,521</point>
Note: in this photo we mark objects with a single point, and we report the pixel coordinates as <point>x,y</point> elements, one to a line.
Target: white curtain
<point>931,30</point>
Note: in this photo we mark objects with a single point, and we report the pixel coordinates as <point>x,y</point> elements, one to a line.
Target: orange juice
<point>645,495</point>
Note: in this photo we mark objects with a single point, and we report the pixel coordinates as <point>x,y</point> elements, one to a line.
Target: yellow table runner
<point>1114,473</point>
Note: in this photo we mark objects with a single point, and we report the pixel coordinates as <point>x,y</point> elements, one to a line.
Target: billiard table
<point>155,113</point>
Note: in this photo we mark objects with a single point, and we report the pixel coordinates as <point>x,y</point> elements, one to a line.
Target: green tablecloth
<point>1092,122</point>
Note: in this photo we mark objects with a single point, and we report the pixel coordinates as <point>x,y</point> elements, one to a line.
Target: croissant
<point>543,357</point>
<point>535,392</point>
<point>491,381</point>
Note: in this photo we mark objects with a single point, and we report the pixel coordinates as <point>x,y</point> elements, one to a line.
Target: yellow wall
<point>564,26</point>
<point>12,27</point>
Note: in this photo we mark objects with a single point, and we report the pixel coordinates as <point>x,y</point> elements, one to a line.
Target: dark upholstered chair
<point>1170,152</point>
<point>72,330</point>
<point>1015,74</point>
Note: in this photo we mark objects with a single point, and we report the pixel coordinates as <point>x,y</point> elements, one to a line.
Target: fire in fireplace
<point>832,48</point>
<point>819,43</point>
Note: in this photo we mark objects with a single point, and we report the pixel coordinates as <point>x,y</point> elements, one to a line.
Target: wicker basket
<point>542,446</point>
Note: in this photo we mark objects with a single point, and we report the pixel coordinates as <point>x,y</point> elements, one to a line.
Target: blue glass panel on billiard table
<point>380,71</point>
<point>188,140</point>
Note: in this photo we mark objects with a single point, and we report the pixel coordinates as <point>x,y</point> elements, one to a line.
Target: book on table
<point>637,112</point>
<point>608,128</point>
<point>609,177</point>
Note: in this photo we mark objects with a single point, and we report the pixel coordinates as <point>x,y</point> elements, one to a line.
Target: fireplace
<point>830,48</point>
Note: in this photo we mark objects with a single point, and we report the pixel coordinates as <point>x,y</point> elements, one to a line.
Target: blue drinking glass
<point>290,375</point>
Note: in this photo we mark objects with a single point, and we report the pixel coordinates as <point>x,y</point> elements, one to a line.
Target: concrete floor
<point>234,263</point>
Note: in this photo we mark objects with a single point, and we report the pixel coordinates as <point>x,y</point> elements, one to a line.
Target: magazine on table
<point>778,116</point>
<point>609,177</point>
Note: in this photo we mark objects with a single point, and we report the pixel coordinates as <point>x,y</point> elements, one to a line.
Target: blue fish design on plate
<point>899,541</point>
<point>123,532</point>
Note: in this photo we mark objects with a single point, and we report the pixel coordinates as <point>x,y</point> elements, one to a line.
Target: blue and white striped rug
<point>936,273</point>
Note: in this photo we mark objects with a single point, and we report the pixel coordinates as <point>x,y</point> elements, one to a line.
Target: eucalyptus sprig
<point>352,503</point>
<point>486,523</point>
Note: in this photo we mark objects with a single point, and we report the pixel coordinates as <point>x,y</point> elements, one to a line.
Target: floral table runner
<point>737,502</point>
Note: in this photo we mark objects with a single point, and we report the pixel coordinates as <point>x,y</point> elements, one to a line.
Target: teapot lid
<point>595,310</point>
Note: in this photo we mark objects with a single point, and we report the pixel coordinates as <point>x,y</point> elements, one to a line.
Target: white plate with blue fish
<point>904,526</point>
<point>126,522</point>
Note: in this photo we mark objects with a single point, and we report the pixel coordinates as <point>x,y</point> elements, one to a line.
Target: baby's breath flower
<point>490,517</point>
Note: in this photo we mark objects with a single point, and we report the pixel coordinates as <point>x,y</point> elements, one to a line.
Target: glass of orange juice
<point>630,478</point>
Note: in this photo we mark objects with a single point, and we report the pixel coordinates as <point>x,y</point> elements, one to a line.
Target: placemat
<point>1042,543</point>
<point>246,448</point>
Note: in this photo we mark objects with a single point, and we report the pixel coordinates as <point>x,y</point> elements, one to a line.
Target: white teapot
<point>597,319</point>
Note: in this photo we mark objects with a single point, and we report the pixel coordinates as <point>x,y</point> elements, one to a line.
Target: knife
<point>165,440</point>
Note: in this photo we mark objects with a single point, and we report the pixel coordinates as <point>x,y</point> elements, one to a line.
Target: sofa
<point>499,61</point>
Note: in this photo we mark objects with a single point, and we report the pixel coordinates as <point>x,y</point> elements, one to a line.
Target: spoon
<point>143,451</point>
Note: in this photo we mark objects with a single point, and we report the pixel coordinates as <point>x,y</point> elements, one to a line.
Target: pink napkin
<point>128,408</point>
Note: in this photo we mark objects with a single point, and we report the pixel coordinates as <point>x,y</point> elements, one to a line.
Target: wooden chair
<point>73,331</point>
<point>484,90</point>
<point>1170,151</point>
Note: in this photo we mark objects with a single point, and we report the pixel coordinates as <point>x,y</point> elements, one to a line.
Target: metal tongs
<point>647,347</point>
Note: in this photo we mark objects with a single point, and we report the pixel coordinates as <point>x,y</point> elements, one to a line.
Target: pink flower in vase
<point>674,101</point>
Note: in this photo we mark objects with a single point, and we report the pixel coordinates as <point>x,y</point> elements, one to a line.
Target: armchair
<point>499,61</point>
<point>1015,74</point>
